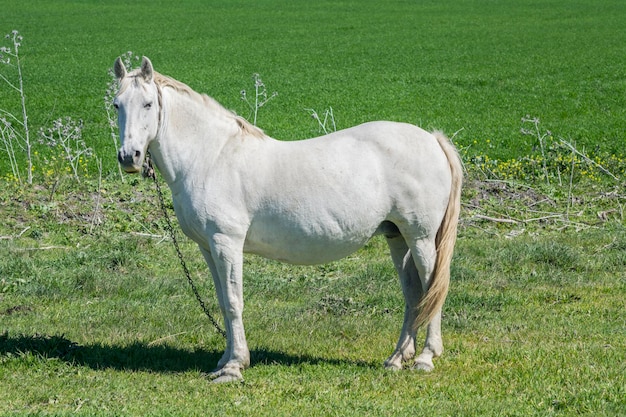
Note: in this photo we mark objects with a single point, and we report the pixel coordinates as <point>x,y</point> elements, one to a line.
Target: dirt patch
<point>17,309</point>
<point>504,192</point>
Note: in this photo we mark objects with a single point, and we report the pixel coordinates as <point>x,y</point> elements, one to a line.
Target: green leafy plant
<point>65,135</point>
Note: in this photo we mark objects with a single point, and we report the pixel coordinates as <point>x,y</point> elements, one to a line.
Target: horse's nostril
<point>137,154</point>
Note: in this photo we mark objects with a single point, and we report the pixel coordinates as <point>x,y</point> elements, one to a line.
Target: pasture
<point>96,317</point>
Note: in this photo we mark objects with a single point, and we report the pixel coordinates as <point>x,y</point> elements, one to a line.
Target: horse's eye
<point>147,106</point>
<point>116,106</point>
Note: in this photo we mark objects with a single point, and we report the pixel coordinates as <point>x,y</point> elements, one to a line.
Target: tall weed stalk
<point>13,137</point>
<point>541,136</point>
<point>326,123</point>
<point>261,98</point>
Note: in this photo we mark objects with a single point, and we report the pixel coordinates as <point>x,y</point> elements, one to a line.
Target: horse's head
<point>137,105</point>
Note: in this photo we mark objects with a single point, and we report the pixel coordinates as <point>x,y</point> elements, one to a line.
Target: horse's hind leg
<point>411,288</point>
<point>433,347</point>
<point>425,255</point>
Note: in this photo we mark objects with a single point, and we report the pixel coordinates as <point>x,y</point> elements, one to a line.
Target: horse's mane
<point>245,127</point>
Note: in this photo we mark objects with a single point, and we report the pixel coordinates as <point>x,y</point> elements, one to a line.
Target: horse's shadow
<point>143,357</point>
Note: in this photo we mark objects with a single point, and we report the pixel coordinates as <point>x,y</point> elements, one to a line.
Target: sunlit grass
<point>532,325</point>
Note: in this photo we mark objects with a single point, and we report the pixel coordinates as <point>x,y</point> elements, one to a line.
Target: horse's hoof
<point>423,366</point>
<point>392,366</point>
<point>225,375</point>
<point>224,379</point>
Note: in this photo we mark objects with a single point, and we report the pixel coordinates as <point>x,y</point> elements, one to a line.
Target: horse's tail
<point>434,298</point>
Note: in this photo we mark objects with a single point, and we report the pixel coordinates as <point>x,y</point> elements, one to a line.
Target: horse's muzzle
<point>130,162</point>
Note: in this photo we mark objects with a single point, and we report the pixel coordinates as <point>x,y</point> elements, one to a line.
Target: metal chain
<point>149,172</point>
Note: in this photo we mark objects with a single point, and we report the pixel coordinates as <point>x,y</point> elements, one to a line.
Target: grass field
<point>96,317</point>
<point>102,323</point>
<point>471,65</point>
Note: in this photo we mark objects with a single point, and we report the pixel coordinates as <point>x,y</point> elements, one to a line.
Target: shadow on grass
<point>141,357</point>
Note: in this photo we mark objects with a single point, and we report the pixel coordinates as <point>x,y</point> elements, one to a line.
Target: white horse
<point>313,201</point>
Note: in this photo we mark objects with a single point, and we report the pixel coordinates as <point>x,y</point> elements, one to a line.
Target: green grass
<point>533,326</point>
<point>96,317</point>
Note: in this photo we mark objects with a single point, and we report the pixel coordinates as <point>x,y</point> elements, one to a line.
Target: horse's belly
<point>310,253</point>
<point>305,246</point>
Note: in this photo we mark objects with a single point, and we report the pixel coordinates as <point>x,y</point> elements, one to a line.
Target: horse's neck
<point>190,135</point>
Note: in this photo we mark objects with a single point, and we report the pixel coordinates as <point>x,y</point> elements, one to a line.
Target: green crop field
<point>479,66</point>
<point>96,317</point>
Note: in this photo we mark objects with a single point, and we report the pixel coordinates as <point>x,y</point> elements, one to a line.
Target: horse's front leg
<point>225,261</point>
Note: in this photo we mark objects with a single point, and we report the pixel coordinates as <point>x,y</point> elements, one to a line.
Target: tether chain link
<point>149,172</point>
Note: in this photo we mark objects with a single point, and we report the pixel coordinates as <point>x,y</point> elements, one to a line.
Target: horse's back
<point>392,145</point>
<point>390,159</point>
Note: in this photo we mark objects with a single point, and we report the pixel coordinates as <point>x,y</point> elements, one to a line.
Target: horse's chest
<point>190,220</point>
<point>200,218</point>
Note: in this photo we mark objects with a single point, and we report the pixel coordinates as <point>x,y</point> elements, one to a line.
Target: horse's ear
<point>119,68</point>
<point>147,72</point>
